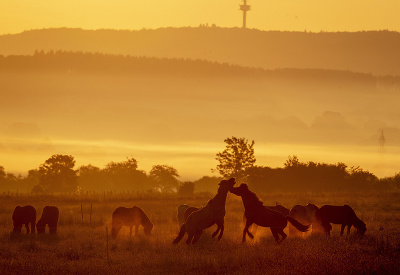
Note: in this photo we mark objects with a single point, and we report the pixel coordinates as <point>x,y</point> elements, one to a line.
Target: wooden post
<point>82,213</point>
<point>91,206</point>
<point>108,258</point>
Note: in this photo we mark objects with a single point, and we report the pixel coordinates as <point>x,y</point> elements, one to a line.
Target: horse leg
<point>221,232</point>
<point>275,234</point>
<point>348,229</point>
<point>130,231</point>
<point>27,228</point>
<point>136,230</point>
<point>197,236</point>
<point>283,234</point>
<point>246,231</point>
<point>216,231</point>
<point>342,229</point>
<point>33,227</point>
<point>189,239</point>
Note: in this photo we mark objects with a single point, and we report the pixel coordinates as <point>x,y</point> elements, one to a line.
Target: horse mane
<point>253,198</point>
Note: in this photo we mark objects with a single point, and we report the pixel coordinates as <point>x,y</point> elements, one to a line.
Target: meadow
<point>81,247</point>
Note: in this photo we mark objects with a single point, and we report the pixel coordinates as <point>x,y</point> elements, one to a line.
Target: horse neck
<point>248,202</point>
<point>145,220</point>
<point>220,198</point>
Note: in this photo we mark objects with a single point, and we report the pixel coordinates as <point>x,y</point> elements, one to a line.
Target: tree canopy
<point>164,178</point>
<point>57,174</point>
<point>237,158</point>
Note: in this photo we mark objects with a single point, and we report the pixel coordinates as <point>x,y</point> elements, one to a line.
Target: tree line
<point>79,62</point>
<point>58,174</point>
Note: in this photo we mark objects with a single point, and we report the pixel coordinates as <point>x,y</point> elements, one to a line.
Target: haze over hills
<point>101,108</point>
<point>373,52</point>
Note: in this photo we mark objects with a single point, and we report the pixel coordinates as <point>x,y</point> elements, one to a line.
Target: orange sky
<point>340,15</point>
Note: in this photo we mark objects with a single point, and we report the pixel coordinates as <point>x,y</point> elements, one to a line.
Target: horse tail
<point>181,234</point>
<point>295,223</point>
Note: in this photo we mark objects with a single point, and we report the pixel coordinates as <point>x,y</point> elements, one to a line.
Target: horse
<point>181,211</point>
<point>134,216</point>
<point>305,215</point>
<point>257,213</point>
<point>343,215</point>
<point>212,213</point>
<point>49,217</point>
<point>189,211</point>
<point>24,216</point>
<point>280,208</point>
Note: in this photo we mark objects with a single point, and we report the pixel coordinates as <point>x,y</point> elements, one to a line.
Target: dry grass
<point>81,248</point>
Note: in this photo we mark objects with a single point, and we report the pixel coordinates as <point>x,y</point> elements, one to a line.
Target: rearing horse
<point>212,213</point>
<point>257,213</point>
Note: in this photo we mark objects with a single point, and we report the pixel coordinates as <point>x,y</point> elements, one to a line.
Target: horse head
<point>147,229</point>
<point>361,227</point>
<point>40,226</point>
<point>241,190</point>
<point>227,185</point>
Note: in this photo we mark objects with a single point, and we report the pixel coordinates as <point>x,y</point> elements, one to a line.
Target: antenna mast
<point>382,141</point>
<point>245,8</point>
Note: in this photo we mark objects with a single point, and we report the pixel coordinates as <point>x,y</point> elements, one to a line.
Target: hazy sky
<point>294,15</point>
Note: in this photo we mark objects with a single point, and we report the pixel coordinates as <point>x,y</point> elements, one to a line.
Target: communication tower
<point>245,8</point>
<point>382,141</point>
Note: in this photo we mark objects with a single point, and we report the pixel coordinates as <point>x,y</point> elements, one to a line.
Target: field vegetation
<point>81,247</point>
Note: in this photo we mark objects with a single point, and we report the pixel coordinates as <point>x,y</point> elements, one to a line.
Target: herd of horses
<point>193,221</point>
<point>26,215</point>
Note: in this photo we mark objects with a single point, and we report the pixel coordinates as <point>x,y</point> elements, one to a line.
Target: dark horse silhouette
<point>257,213</point>
<point>343,215</point>
<point>205,217</point>
<point>181,212</point>
<point>24,216</point>
<point>49,217</point>
<point>134,216</point>
<point>305,215</point>
<point>280,208</point>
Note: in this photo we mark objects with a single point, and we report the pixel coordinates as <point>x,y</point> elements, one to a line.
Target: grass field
<point>82,248</point>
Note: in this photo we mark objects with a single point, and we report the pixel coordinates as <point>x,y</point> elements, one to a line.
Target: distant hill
<point>375,52</point>
<point>80,63</point>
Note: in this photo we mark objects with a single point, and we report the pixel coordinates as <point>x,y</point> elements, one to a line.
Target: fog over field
<point>101,108</point>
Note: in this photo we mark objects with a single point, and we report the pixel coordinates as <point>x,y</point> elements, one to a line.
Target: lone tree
<point>164,178</point>
<point>57,174</point>
<point>237,157</point>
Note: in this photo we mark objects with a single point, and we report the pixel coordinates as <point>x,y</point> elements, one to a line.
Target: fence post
<point>82,213</point>
<point>108,258</point>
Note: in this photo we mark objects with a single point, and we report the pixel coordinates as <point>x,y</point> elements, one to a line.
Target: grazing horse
<point>24,216</point>
<point>130,217</point>
<point>49,217</point>
<point>343,215</point>
<point>257,213</point>
<point>205,217</point>
<point>305,215</point>
<point>181,211</point>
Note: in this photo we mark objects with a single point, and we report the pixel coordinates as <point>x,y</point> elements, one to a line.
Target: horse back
<point>50,215</point>
<point>127,216</point>
<point>25,214</point>
<point>266,217</point>
<point>337,214</point>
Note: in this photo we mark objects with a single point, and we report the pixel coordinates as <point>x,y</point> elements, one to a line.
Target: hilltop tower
<point>245,8</point>
<point>382,141</point>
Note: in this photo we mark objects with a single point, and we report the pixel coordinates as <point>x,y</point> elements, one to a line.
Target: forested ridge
<point>85,62</point>
<point>374,52</point>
